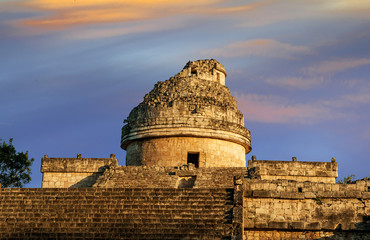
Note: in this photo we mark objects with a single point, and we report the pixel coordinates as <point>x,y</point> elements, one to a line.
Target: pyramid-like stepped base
<point>106,213</point>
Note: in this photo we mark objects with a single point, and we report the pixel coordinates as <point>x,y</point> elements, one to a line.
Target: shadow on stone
<point>362,231</point>
<point>186,182</point>
<point>89,181</point>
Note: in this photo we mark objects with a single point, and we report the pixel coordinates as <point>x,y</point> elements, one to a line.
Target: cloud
<point>274,109</point>
<point>303,83</point>
<point>277,109</point>
<point>260,48</point>
<point>61,14</point>
<point>235,9</point>
<point>288,11</point>
<point>95,33</point>
<point>338,65</point>
<point>319,73</point>
<point>358,8</point>
<point>345,4</point>
<point>64,14</point>
<point>351,100</point>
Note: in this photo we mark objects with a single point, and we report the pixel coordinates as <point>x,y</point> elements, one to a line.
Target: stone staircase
<point>107,213</point>
<point>168,177</point>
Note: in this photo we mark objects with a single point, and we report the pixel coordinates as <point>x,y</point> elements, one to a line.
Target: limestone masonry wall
<point>210,70</point>
<point>172,151</point>
<point>169,177</point>
<point>292,170</point>
<point>285,209</point>
<point>73,172</point>
<point>187,102</point>
<point>193,104</point>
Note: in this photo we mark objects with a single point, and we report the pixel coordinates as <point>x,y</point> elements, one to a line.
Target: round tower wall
<point>189,118</point>
<point>172,151</point>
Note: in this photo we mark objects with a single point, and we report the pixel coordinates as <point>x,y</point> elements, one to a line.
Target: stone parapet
<point>73,172</point>
<point>77,164</point>
<point>294,235</point>
<point>289,189</point>
<point>285,205</point>
<point>295,170</point>
<point>185,176</point>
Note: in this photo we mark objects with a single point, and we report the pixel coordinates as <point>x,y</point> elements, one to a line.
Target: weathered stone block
<point>296,225</point>
<point>353,194</point>
<point>285,195</point>
<point>329,225</point>
<point>365,195</point>
<point>261,193</point>
<point>248,193</point>
<point>261,225</point>
<point>309,195</point>
<point>248,223</point>
<point>298,195</point>
<point>278,225</point>
<point>313,226</point>
<point>238,214</point>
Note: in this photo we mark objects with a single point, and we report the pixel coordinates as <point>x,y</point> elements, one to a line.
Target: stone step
<point>70,207</point>
<point>110,191</point>
<point>126,201</point>
<point>122,218</point>
<point>176,211</point>
<point>136,205</point>
<point>210,213</point>
<point>168,220</point>
<point>121,236</point>
<point>125,227</point>
<point>118,196</point>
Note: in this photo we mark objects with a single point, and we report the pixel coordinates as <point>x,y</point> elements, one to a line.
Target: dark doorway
<point>194,159</point>
<point>193,72</point>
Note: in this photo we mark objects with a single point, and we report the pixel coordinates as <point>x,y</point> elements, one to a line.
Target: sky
<point>71,71</point>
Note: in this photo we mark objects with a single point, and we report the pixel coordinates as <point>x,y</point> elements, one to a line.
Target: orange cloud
<point>358,8</point>
<point>303,10</point>
<point>67,13</point>
<point>259,47</point>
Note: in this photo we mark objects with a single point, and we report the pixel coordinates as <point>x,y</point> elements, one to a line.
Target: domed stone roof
<point>194,102</point>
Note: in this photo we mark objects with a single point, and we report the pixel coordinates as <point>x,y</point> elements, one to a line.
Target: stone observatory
<point>189,118</point>
<point>186,144</point>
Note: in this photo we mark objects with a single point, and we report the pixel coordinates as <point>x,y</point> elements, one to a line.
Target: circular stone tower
<point>190,118</point>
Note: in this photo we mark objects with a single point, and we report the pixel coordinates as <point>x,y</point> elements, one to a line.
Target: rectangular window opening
<point>300,189</point>
<point>193,158</point>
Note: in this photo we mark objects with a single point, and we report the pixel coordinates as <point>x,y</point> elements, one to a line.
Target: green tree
<point>14,166</point>
<point>347,180</point>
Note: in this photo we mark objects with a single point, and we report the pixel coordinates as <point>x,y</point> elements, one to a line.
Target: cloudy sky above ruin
<point>71,71</point>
